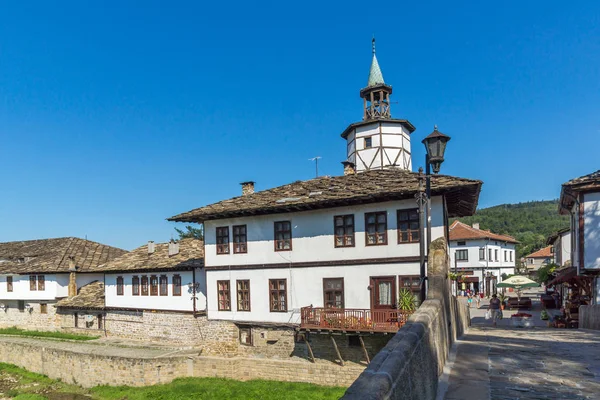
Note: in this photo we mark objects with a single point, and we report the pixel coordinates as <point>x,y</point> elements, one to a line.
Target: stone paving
<point>518,363</point>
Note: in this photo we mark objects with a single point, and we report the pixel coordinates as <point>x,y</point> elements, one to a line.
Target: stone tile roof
<point>90,296</point>
<point>590,182</point>
<point>377,186</point>
<point>190,255</point>
<point>462,231</point>
<point>541,253</point>
<point>54,255</point>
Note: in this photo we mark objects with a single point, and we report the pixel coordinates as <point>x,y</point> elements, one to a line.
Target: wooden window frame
<point>462,251</point>
<point>377,234</point>
<point>41,283</point>
<point>224,303</point>
<point>505,255</point>
<point>239,246</point>
<point>282,232</point>
<point>241,294</point>
<point>247,329</point>
<point>32,283</point>
<point>222,235</point>
<point>163,285</point>
<point>120,286</point>
<point>413,234</point>
<point>135,285</point>
<point>176,285</point>
<point>43,308</point>
<point>415,290</point>
<point>482,251</point>
<point>496,259</point>
<point>144,284</point>
<point>9,283</point>
<point>277,292</point>
<point>153,285</point>
<point>325,291</point>
<point>370,139</point>
<point>345,226</point>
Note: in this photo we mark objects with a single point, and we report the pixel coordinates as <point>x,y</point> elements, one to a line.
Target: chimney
<point>150,246</point>
<point>72,289</point>
<point>348,168</point>
<point>173,248</point>
<point>247,188</point>
<point>475,225</point>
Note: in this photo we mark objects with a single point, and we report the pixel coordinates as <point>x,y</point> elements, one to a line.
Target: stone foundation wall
<point>32,319</point>
<point>90,370</point>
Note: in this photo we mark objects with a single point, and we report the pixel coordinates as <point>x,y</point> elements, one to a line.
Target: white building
<point>35,274</point>
<point>580,198</point>
<point>481,257</point>
<point>561,246</point>
<point>330,252</point>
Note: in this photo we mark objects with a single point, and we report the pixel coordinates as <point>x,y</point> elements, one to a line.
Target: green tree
<point>544,274</point>
<point>191,232</point>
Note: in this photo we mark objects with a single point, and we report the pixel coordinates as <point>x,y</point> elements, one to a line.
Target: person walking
<point>470,300</point>
<point>494,309</point>
<point>477,300</point>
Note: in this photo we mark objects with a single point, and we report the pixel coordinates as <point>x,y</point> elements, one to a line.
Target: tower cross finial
<point>373,44</point>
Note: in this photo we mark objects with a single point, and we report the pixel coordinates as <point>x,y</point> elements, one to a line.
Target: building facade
<point>561,246</point>
<point>539,259</point>
<point>481,257</point>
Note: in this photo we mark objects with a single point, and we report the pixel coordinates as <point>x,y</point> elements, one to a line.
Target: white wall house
<point>561,246</point>
<point>538,259</point>
<point>580,198</point>
<point>481,257</point>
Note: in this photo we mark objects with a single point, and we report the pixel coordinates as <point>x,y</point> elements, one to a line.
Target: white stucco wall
<point>305,287</point>
<point>170,302</point>
<point>21,291</point>
<point>312,236</point>
<point>473,246</point>
<point>591,247</point>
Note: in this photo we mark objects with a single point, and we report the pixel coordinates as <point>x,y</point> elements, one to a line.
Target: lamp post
<point>435,144</point>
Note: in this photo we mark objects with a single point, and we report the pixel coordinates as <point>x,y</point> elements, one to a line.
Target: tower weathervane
<point>373,44</point>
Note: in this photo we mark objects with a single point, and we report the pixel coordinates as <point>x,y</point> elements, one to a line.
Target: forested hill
<point>530,223</point>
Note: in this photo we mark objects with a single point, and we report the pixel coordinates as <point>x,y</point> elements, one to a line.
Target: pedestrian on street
<point>470,300</point>
<point>478,300</point>
<point>494,309</point>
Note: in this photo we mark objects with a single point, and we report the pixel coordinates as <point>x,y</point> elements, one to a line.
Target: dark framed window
<point>462,255</point>
<point>412,283</point>
<point>153,285</point>
<point>176,285</point>
<point>333,292</point>
<point>246,336</point>
<point>240,239</point>
<point>164,285</point>
<point>510,253</point>
<point>481,253</point>
<point>243,295</point>
<point>32,283</point>
<point>490,255</point>
<point>278,295</point>
<point>368,142</point>
<point>408,226</point>
<point>41,282</point>
<point>43,308</point>
<point>461,243</point>
<point>224,295</point>
<point>144,285</point>
<point>120,286</point>
<point>496,254</point>
<point>135,286</point>
<point>343,226</point>
<point>223,240</point>
<point>100,322</point>
<point>21,305</point>
<point>75,320</point>
<point>9,283</point>
<point>376,228</point>
<point>505,255</point>
<point>283,235</point>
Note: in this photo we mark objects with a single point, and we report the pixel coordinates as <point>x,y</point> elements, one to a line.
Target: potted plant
<point>406,300</point>
<point>544,315</point>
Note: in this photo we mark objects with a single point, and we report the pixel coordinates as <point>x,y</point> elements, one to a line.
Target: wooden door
<point>383,293</point>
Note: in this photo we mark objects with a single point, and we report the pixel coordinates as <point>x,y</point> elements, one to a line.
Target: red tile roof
<point>541,253</point>
<point>462,231</point>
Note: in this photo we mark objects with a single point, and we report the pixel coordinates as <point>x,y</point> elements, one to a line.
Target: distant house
<point>482,257</point>
<point>580,198</point>
<point>35,274</point>
<point>538,259</point>
<point>561,246</point>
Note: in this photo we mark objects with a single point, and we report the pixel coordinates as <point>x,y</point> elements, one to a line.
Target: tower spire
<point>375,75</point>
<point>376,94</point>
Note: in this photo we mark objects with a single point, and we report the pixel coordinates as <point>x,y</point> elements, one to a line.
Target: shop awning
<point>563,276</point>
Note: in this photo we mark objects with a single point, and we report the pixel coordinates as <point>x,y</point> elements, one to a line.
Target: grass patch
<point>219,388</point>
<point>45,334</point>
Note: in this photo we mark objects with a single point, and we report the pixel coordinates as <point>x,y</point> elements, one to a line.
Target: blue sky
<point>117,115</point>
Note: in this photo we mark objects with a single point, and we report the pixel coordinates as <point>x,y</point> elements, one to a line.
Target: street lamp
<point>435,144</point>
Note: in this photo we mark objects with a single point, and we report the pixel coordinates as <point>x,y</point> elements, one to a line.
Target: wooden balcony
<point>352,319</point>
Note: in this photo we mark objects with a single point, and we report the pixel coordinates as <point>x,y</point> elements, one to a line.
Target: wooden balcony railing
<point>353,319</point>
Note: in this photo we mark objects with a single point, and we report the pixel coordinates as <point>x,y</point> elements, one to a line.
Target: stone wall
<point>89,370</point>
<point>589,317</point>
<point>31,318</point>
<point>410,364</point>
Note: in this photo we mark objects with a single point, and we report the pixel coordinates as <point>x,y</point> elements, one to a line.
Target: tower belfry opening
<point>376,95</point>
